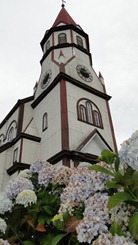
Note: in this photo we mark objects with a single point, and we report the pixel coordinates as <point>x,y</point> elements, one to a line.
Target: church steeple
<point>64,18</point>
<point>68,119</point>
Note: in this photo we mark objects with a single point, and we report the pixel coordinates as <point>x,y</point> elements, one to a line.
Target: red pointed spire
<point>64,17</point>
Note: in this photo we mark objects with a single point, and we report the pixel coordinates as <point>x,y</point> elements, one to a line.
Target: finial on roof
<point>63,3</point>
<point>101,77</point>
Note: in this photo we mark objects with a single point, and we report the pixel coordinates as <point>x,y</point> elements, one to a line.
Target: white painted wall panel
<point>80,130</point>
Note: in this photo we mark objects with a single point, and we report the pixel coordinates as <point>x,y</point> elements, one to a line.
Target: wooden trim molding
<point>75,156</point>
<point>20,136</point>
<point>111,123</point>
<point>71,35</point>
<point>20,118</point>
<point>62,46</point>
<point>86,140</point>
<point>77,83</point>
<point>16,167</point>
<point>63,28</point>
<point>64,116</point>
<point>21,150</point>
<point>25,100</point>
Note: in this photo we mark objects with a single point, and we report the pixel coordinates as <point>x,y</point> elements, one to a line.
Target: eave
<point>75,156</point>
<point>19,102</point>
<point>77,83</point>
<point>62,28</point>
<point>15,140</point>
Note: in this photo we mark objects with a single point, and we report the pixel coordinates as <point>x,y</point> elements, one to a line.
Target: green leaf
<point>118,198</point>
<point>45,239</point>
<point>133,226</point>
<point>28,243</point>
<point>42,219</point>
<point>135,183</point>
<point>101,169</point>
<point>127,178</point>
<point>16,218</point>
<point>117,163</point>
<point>59,225</point>
<point>118,177</point>
<point>57,239</point>
<point>47,209</point>
<point>112,184</point>
<point>66,215</point>
<point>116,229</point>
<point>108,156</point>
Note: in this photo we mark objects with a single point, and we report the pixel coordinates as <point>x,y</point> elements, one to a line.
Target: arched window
<point>11,134</point>
<point>89,113</point>
<point>82,113</point>
<point>48,45</point>
<point>45,122</point>
<point>79,41</point>
<point>62,38</point>
<point>97,119</point>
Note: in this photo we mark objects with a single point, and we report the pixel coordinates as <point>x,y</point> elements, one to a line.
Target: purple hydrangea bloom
<point>129,152</point>
<point>37,166</point>
<point>5,203</point>
<point>17,185</point>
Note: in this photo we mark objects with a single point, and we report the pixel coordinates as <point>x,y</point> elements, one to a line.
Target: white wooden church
<point>67,120</point>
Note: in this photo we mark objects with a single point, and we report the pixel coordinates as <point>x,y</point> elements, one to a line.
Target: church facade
<point>67,120</point>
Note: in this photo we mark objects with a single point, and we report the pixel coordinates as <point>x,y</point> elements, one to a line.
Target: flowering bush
<point>91,204</point>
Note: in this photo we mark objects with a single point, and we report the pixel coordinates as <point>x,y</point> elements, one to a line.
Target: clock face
<point>84,73</point>
<point>46,79</point>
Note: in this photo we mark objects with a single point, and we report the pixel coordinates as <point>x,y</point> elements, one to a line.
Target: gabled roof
<point>94,143</point>
<point>64,17</point>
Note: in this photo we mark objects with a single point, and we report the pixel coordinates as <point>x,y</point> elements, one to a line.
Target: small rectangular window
<point>62,38</point>
<point>79,41</point>
<point>15,155</point>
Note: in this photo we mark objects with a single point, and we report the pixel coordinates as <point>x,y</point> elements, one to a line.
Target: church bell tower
<point>70,100</point>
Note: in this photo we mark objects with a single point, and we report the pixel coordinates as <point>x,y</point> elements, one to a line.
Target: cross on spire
<point>63,3</point>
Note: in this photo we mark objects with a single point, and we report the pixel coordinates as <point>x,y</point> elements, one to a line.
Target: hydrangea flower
<point>121,214</point>
<point>17,185</point>
<point>2,242</point>
<point>45,176</point>
<point>100,179</point>
<point>62,175</point>
<point>82,184</point>
<point>3,226</point>
<point>107,238</point>
<point>26,198</point>
<point>26,173</point>
<point>84,165</point>
<point>78,189</point>
<point>37,166</point>
<point>129,152</point>
<point>5,203</point>
<point>95,219</point>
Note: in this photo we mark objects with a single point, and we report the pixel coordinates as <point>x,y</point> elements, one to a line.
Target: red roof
<point>64,17</point>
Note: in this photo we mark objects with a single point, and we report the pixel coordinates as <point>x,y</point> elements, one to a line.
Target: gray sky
<point>112,26</point>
